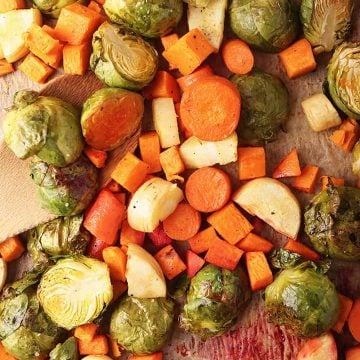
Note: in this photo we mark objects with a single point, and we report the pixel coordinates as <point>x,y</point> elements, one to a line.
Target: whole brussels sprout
<point>343,78</point>
<point>215,299</point>
<point>53,7</point>
<point>269,25</point>
<point>356,159</point>
<point>122,59</point>
<point>75,291</point>
<point>325,34</point>
<point>149,18</point>
<point>68,190</point>
<point>332,221</point>
<point>264,106</point>
<point>68,350</point>
<point>303,299</point>
<point>142,326</point>
<point>43,126</point>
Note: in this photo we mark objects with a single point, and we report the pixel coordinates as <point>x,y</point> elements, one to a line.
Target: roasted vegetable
<point>142,326</point>
<point>356,159</point>
<point>68,190</point>
<point>53,7</point>
<point>284,259</point>
<point>269,25</point>
<point>303,299</point>
<point>343,78</point>
<point>43,126</point>
<point>326,23</point>
<point>75,291</point>
<point>332,221</point>
<point>265,106</point>
<point>198,3</point>
<point>66,351</point>
<point>214,301</point>
<point>149,18</point>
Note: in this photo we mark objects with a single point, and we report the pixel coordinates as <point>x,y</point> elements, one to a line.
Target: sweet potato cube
<point>35,69</point>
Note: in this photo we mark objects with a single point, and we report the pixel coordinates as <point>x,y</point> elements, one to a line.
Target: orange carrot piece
<point>186,133</point>
<point>121,198</point>
<point>155,356</point>
<point>203,71</point>
<point>93,5</point>
<point>163,85</point>
<point>210,117</point>
<point>298,59</point>
<point>193,263</point>
<point>223,254</point>
<point>8,5</point>
<point>97,157</point>
<point>230,223</point>
<point>77,23</point>
<point>130,172</point>
<point>202,240</point>
<point>113,186</point>
<point>11,249</point>
<point>86,332</point>
<point>350,140</point>
<point>237,56</point>
<point>97,346</point>
<point>5,67</point>
<point>258,225</point>
<point>289,166</point>
<point>338,137</point>
<point>114,347</point>
<point>119,288</point>
<point>319,348</point>
<point>208,189</point>
<point>259,271</point>
<point>3,354</point>
<point>350,125</point>
<point>49,30</point>
<point>76,58</point>
<point>170,262</point>
<point>253,242</point>
<point>172,163</point>
<point>115,259</point>
<point>301,249</point>
<point>130,235</point>
<point>334,180</point>
<point>345,308</point>
<point>183,223</point>
<point>353,320</point>
<point>168,41</point>
<point>306,181</point>
<point>149,145</point>
<point>189,51</point>
<point>101,2</point>
<point>35,69</point>
<point>353,353</point>
<point>251,162</point>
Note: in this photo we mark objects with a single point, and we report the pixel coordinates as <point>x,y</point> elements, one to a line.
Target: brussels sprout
<point>356,159</point>
<point>284,259</point>
<point>149,18</point>
<point>265,106</point>
<point>332,221</point>
<point>68,190</point>
<point>142,326</point>
<point>303,299</point>
<point>122,59</point>
<point>198,3</point>
<point>44,126</point>
<point>343,78</point>
<point>326,23</point>
<point>75,291</point>
<point>65,351</point>
<point>269,25</point>
<point>214,301</point>
<point>53,7</point>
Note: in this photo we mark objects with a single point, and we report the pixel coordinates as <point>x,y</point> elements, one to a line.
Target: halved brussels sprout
<point>303,299</point>
<point>53,7</point>
<point>326,23</point>
<point>149,18</point>
<point>215,299</point>
<point>343,78</point>
<point>269,25</point>
<point>356,159</point>
<point>43,126</point>
<point>264,106</point>
<point>68,190</point>
<point>142,326</point>
<point>68,350</point>
<point>122,59</point>
<point>332,221</point>
<point>75,291</point>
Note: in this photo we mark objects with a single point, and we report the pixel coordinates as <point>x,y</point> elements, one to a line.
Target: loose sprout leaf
<point>284,259</point>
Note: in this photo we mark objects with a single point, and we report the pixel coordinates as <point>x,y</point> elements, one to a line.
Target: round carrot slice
<point>183,223</point>
<point>238,57</point>
<point>208,189</point>
<point>210,108</point>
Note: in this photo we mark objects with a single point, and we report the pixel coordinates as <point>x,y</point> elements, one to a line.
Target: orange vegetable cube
<point>163,85</point>
<point>119,288</point>
<point>353,353</point>
<point>5,67</point>
<point>49,30</point>
<point>172,163</point>
<point>76,58</point>
<point>345,308</point>
<point>251,162</point>
<point>8,5</point>
<point>350,125</point>
<point>168,41</point>
<point>202,240</point>
<point>289,166</point>
<point>113,186</point>
<point>97,157</point>
<point>301,249</point>
<point>170,262</point>
<point>149,144</point>
<point>93,5</point>
<point>116,260</point>
<point>259,271</point>
<point>86,332</point>
<point>97,346</point>
<point>253,242</point>
<point>334,180</point>
<point>11,249</point>
<point>306,181</point>
<point>130,235</point>
<point>35,69</point>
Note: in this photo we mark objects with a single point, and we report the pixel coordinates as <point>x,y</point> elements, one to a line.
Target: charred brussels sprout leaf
<point>179,286</point>
<point>53,7</point>
<point>326,23</point>
<point>214,301</point>
<point>65,351</point>
<point>43,126</point>
<point>303,299</point>
<point>149,18</point>
<point>356,159</point>
<point>269,25</point>
<point>68,190</point>
<point>142,326</point>
<point>265,106</point>
<point>332,221</point>
<point>284,259</point>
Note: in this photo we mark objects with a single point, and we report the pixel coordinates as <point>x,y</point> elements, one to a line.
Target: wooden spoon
<point>20,208</point>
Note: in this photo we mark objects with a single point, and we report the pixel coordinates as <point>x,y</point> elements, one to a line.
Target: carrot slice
<point>334,180</point>
<point>183,223</point>
<point>253,242</point>
<point>116,259</point>
<point>11,249</point>
<point>97,346</point>
<point>251,162</point>
<point>201,72</point>
<point>149,144</point>
<point>186,132</point>
<point>208,189</point>
<point>170,262</point>
<point>5,67</point>
<point>210,117</point>
<point>202,240</point>
<point>163,85</point>
<point>237,56</point>
<point>353,320</point>
<point>345,308</point>
<point>130,235</point>
<point>289,166</point>
<point>86,332</point>
<point>353,353</point>
<point>303,250</point>
<point>193,263</point>
<point>306,181</point>
<point>258,269</point>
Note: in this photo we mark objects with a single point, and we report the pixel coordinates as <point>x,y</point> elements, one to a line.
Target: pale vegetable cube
<point>165,122</point>
<point>320,112</point>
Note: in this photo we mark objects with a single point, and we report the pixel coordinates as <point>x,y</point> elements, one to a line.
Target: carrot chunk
<point>170,262</point>
<point>202,240</point>
<point>115,259</point>
<point>3,354</point>
<point>163,85</point>
<point>93,5</point>
<point>318,348</point>
<point>350,125</point>
<point>5,67</point>
<point>35,69</point>
<point>76,58</point>
<point>172,163</point>
<point>345,308</point>
<point>237,56</point>
<point>289,166</point>
<point>8,5</point>
<point>149,144</point>
<point>203,71</point>
<point>353,353</point>
<point>335,181</point>
<point>119,288</point>
<point>155,356</point>
<point>97,157</point>
<point>251,162</point>
<point>353,320</point>
<point>159,238</point>
<point>113,186</point>
<point>258,269</point>
<point>168,41</point>
<point>11,249</point>
<point>95,248</point>
<point>51,31</point>
<point>306,181</point>
<point>301,249</point>
<point>97,346</point>
<point>86,332</point>
<point>253,242</point>
<point>193,263</point>
<point>130,235</point>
